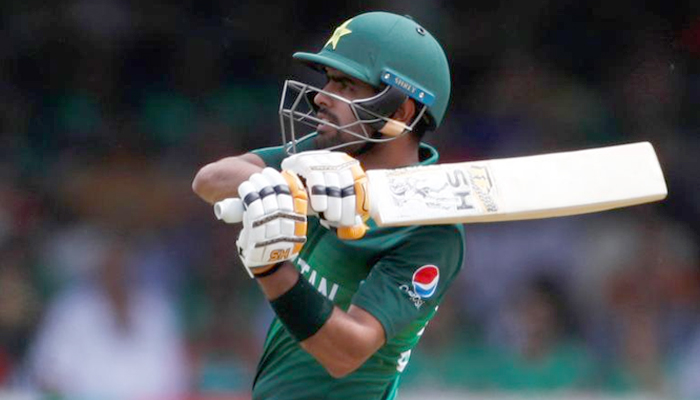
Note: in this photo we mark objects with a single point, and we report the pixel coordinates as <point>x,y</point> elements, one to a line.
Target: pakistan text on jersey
<point>323,284</point>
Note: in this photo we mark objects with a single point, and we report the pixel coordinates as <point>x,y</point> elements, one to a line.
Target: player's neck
<point>401,152</point>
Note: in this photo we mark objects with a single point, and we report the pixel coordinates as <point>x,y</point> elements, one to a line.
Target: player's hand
<point>337,187</point>
<point>274,220</point>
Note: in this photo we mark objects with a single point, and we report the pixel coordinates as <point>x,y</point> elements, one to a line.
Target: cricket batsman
<point>351,299</point>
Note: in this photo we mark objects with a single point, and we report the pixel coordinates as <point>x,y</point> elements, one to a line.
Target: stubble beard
<point>335,137</point>
<point>330,137</point>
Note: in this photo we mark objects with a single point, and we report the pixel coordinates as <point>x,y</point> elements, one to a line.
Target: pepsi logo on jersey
<point>425,280</point>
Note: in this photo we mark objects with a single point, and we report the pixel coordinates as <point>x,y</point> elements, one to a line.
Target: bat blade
<point>540,186</point>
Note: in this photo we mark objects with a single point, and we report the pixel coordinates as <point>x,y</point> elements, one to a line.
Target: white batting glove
<point>337,187</point>
<point>274,220</point>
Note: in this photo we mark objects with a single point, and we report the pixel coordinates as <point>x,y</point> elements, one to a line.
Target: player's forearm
<point>345,341</point>
<point>220,179</point>
<point>280,282</point>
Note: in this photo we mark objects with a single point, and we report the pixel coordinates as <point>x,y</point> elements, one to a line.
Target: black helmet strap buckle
<point>381,106</point>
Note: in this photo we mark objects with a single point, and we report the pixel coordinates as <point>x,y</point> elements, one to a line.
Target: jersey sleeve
<point>273,156</point>
<point>409,282</point>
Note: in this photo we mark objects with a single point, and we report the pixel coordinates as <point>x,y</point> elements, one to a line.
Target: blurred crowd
<point>116,282</point>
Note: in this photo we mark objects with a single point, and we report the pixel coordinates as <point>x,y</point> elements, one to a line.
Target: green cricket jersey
<point>399,275</point>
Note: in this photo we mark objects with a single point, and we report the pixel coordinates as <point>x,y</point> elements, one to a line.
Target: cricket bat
<point>508,189</point>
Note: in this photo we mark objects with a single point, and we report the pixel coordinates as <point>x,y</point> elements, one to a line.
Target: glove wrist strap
<point>269,271</point>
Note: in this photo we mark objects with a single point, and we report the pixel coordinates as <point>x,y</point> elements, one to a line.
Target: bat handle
<point>229,210</point>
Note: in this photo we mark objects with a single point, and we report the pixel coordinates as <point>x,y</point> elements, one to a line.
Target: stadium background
<point>112,272</point>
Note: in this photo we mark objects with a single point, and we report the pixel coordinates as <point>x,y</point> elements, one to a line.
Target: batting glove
<point>337,187</point>
<point>274,220</point>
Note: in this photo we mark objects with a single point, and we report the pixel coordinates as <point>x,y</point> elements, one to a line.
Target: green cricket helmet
<point>390,52</point>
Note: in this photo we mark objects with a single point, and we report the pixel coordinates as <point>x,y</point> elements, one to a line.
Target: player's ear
<point>405,112</point>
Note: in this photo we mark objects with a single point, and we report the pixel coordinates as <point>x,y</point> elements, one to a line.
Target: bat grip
<point>229,210</point>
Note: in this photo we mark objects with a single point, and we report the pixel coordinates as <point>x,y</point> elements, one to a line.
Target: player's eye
<point>327,82</point>
<point>340,85</point>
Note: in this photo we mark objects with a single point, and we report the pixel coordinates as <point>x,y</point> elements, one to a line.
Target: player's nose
<point>323,100</point>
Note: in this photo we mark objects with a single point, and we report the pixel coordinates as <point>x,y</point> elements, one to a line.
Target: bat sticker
<point>447,190</point>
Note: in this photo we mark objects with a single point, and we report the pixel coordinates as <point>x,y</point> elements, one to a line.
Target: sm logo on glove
<point>279,255</point>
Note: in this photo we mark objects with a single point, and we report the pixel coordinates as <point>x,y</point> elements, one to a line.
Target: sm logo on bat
<point>475,185</point>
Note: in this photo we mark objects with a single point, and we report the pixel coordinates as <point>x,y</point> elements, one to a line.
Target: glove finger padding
<point>333,212</point>
<point>284,200</point>
<point>316,184</point>
<point>347,198</point>
<point>269,201</point>
<point>337,187</point>
<point>274,220</point>
<point>300,205</point>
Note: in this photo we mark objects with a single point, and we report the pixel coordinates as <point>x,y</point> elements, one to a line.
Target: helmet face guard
<point>371,114</point>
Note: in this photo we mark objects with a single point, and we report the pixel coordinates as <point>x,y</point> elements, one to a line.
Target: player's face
<point>339,112</point>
